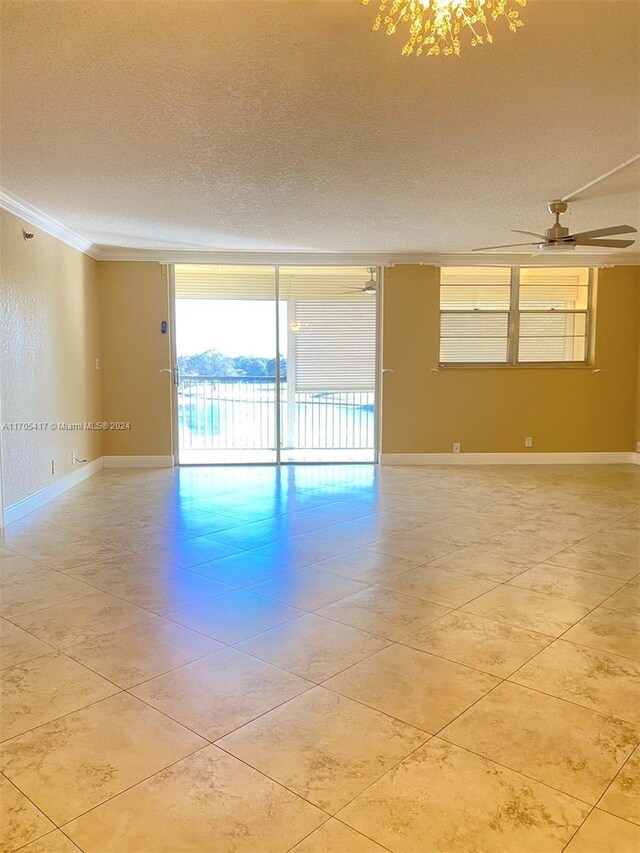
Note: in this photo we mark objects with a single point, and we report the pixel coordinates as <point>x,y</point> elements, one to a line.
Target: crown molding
<point>367,259</point>
<point>23,210</point>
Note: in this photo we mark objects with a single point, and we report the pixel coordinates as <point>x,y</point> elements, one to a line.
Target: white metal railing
<point>238,412</point>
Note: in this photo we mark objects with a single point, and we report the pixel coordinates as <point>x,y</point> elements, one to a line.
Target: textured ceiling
<point>270,125</point>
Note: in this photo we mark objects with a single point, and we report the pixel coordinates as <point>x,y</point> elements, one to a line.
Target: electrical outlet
<point>528,442</point>
<point>97,364</point>
<point>456,447</point>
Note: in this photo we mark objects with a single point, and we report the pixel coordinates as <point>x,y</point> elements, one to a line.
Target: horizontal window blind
<point>474,320</point>
<point>474,337</point>
<point>334,345</point>
<point>323,284</point>
<point>553,305</point>
<point>557,289</point>
<point>211,281</point>
<point>542,318</point>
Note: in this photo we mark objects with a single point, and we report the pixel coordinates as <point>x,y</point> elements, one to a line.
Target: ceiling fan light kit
<point>436,26</point>
<point>558,239</point>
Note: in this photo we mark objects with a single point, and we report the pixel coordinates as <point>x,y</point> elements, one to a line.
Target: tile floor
<point>326,658</point>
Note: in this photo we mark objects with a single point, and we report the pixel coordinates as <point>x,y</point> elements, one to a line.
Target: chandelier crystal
<point>435,26</point>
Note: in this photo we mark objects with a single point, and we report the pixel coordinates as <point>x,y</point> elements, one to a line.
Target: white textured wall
<point>49,341</point>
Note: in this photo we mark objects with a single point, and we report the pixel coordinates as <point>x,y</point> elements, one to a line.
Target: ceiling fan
<point>369,286</point>
<point>558,239</point>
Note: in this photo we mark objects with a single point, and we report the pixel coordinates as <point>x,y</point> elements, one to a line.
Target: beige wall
<point>49,341</point>
<point>491,410</point>
<point>134,300</point>
<point>637,447</point>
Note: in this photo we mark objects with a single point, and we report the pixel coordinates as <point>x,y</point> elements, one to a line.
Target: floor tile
<point>526,546</point>
<point>185,553</point>
<point>445,799</point>
<point>21,821</point>
<point>82,619</point>
<point>248,536</point>
<point>603,833</point>
<point>43,689</point>
<point>365,565</point>
<point>571,748</point>
<point>546,614</point>
<point>327,760</point>
<point>419,546</point>
<point>567,583</point>
<point>440,586</point>
<point>385,613</point>
<point>18,646</point>
<point>208,801</point>
<point>627,599</point>
<point>313,647</point>
<point>135,654</point>
<point>492,647</point>
<point>412,686</point>
<point>612,565</point>
<point>164,590</point>
<point>301,551</point>
<point>608,631</point>
<point>72,764</point>
<point>612,542</point>
<point>68,552</point>
<point>15,568</point>
<point>39,590</point>
<point>622,797</point>
<point>307,589</point>
<point>335,837</point>
<point>218,693</point>
<point>235,616</point>
<point>241,570</point>
<point>53,842</point>
<point>484,561</point>
<point>594,679</point>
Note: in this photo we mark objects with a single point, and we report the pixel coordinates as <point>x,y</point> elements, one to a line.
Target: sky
<point>233,327</point>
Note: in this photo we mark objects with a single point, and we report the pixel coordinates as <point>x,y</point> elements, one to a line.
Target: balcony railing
<point>229,413</point>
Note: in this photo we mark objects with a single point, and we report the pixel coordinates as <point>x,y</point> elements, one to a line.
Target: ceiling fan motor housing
<point>557,232</point>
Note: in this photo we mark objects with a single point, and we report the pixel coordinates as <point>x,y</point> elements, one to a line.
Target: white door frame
<point>175,434</point>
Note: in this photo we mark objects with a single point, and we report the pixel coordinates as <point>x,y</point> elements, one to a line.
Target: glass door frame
<point>279,462</point>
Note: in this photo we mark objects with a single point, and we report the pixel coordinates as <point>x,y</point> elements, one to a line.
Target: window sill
<point>533,366</point>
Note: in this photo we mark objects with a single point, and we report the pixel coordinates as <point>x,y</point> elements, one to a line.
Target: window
<point>497,315</point>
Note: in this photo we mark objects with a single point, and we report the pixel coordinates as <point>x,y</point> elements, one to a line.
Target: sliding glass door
<point>227,372</point>
<point>328,399</point>
<point>275,364</point>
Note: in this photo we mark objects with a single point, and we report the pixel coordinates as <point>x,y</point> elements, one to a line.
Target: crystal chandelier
<point>435,26</point>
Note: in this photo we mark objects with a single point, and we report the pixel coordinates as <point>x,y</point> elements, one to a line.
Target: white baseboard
<point>138,461</point>
<point>26,505</point>
<point>509,458</point>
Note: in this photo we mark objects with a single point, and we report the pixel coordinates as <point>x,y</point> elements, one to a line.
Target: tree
<point>214,363</point>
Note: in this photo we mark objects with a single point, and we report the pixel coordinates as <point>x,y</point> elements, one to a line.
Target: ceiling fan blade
<point>606,232</point>
<point>607,244</point>
<point>529,233</point>
<point>509,246</point>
